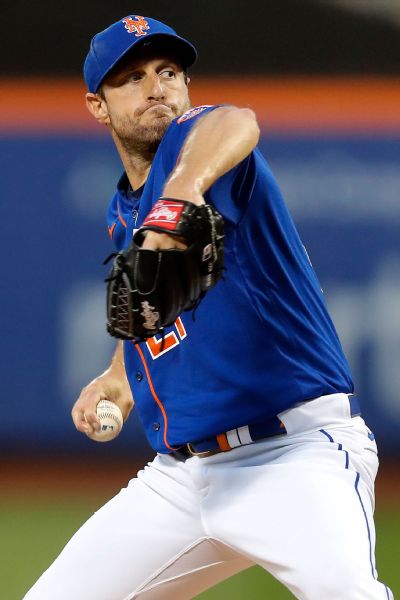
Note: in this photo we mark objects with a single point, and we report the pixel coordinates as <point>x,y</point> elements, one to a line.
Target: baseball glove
<point>148,289</point>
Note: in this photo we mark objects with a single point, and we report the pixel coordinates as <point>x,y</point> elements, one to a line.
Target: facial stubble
<point>143,139</point>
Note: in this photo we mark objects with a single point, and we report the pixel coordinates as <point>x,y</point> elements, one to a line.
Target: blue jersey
<point>261,340</point>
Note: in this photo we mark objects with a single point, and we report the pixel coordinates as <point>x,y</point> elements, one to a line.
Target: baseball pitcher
<point>228,353</point>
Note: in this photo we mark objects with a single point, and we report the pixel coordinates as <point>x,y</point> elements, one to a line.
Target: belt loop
<point>355,409</point>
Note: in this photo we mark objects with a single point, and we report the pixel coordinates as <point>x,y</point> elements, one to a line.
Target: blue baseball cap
<point>109,46</point>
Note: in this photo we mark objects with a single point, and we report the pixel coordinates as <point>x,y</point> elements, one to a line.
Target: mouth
<point>157,108</point>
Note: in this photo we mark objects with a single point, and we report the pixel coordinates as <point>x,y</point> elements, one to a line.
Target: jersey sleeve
<point>231,192</point>
<point>178,131</point>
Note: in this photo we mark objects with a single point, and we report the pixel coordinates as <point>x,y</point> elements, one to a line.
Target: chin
<point>156,119</point>
<point>159,126</point>
<point>144,137</point>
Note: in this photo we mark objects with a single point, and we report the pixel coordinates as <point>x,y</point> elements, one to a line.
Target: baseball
<point>111,421</point>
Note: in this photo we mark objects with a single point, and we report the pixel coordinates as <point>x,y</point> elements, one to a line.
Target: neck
<point>137,164</point>
<point>137,169</point>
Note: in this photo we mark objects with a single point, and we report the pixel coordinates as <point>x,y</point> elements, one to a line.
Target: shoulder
<point>195,112</point>
<point>186,121</point>
<point>229,116</point>
<point>180,128</point>
<point>178,131</point>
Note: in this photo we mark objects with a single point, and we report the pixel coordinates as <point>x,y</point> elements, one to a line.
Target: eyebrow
<point>166,63</point>
<point>139,68</point>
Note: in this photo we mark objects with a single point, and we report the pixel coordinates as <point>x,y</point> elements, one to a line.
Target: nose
<point>154,89</point>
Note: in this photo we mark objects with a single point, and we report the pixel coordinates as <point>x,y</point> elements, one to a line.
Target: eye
<point>134,77</point>
<point>168,74</point>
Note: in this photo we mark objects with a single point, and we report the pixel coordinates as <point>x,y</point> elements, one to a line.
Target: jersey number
<point>171,339</point>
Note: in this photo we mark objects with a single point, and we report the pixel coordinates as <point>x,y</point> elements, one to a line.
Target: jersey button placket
<point>139,376</point>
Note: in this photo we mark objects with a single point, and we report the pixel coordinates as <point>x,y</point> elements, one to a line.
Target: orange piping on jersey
<point>223,442</point>
<point>156,398</point>
<point>121,218</point>
<point>111,230</point>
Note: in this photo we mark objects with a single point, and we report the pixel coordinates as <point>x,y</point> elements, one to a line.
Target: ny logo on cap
<point>138,27</point>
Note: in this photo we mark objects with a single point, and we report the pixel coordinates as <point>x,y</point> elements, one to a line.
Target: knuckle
<point>92,418</point>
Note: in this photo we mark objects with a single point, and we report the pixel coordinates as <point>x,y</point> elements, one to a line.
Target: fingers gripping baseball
<point>84,411</point>
<point>107,386</point>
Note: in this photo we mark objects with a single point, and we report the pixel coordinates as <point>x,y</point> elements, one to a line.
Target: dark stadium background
<point>234,36</point>
<point>323,77</point>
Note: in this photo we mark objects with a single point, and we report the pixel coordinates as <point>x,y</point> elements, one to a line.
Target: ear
<point>98,107</point>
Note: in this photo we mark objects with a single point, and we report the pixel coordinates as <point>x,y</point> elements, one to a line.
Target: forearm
<point>221,140</point>
<point>111,385</point>
<point>117,361</point>
<point>115,375</point>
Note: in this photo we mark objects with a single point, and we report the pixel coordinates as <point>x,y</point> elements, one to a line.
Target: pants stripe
<point>366,521</point>
<point>340,448</point>
<point>389,593</point>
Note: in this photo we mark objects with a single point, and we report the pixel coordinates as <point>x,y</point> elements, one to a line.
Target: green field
<point>33,531</point>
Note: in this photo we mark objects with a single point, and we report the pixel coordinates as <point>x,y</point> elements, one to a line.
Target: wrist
<point>183,191</point>
<point>189,197</point>
<point>118,362</point>
<point>116,370</point>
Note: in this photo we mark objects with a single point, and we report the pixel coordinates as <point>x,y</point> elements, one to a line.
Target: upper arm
<point>232,192</point>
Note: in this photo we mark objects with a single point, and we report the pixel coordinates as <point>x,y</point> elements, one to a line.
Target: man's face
<point>143,95</point>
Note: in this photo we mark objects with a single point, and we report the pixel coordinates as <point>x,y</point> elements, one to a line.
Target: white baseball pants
<point>300,505</point>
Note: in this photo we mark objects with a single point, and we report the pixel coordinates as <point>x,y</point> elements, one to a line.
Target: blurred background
<point>323,77</point>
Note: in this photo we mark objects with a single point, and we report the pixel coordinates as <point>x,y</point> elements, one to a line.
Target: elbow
<point>251,123</point>
<point>244,119</point>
